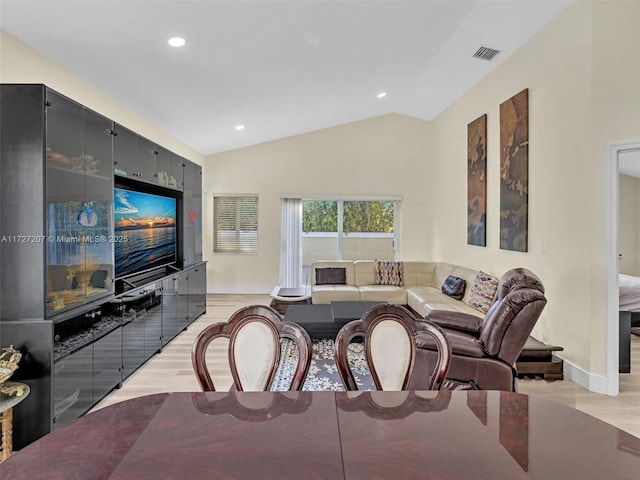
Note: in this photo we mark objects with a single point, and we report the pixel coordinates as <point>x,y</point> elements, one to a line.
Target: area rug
<point>635,330</point>
<point>323,373</point>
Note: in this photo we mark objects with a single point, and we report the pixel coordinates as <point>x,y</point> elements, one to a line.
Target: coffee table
<point>283,297</point>
<point>326,320</point>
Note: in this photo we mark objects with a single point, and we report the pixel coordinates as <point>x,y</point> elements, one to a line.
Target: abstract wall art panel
<point>477,182</point>
<point>514,172</point>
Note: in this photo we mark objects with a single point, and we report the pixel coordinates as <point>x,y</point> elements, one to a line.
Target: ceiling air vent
<point>485,53</point>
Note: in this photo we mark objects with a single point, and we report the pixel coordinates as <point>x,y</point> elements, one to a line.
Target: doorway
<point>622,158</point>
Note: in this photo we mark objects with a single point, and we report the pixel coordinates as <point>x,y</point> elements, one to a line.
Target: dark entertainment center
<point>101,252</point>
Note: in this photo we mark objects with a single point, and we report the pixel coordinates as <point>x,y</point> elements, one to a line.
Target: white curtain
<point>291,254</point>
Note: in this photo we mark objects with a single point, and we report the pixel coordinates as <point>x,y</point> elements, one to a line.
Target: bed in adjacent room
<point>629,290</point>
<point>629,314</point>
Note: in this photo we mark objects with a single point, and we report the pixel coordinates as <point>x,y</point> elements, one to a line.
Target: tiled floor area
<point>171,370</point>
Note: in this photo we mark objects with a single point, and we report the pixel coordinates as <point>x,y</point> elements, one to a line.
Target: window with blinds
<point>235,224</point>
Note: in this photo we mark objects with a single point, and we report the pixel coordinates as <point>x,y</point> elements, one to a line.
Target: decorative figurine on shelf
<point>88,217</point>
<point>8,364</point>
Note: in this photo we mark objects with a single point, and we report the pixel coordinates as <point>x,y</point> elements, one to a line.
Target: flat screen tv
<point>145,231</point>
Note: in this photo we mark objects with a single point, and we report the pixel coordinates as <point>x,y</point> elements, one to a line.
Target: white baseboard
<point>240,290</point>
<point>593,383</point>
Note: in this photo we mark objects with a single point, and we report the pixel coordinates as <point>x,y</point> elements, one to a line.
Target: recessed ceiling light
<point>382,95</point>
<point>239,127</point>
<point>177,42</point>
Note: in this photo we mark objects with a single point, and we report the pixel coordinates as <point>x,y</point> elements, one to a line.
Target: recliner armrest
<point>460,321</point>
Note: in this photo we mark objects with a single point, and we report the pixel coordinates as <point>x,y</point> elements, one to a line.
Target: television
<point>145,231</point>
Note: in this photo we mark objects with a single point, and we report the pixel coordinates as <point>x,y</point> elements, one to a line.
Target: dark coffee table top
<point>351,310</point>
<point>327,313</point>
<point>308,314</point>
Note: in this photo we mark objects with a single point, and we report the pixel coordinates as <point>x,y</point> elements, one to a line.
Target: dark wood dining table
<point>326,435</point>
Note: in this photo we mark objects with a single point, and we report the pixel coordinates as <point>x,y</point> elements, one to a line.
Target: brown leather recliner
<point>484,351</point>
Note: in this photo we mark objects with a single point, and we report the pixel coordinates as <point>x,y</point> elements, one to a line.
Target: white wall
<point>21,64</point>
<point>379,156</point>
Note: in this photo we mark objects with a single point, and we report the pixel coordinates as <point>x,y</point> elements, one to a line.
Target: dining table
<point>331,435</point>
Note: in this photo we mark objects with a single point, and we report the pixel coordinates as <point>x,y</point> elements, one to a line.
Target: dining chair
<point>388,332</point>
<point>255,333</point>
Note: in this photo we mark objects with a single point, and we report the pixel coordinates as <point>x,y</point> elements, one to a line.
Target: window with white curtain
<point>235,224</point>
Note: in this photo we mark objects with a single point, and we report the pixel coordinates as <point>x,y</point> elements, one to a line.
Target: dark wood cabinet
<point>142,326</point>
<point>57,203</point>
<point>174,306</point>
<point>135,155</point>
<point>143,160</point>
<point>126,151</point>
<point>153,321</point>
<point>192,214</point>
<point>197,287</point>
<point>168,168</point>
<point>72,386</point>
<point>81,333</point>
<point>79,204</point>
<point>107,364</point>
<point>132,342</point>
<point>182,285</point>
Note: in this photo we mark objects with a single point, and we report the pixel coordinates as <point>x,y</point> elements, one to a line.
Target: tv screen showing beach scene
<point>145,231</point>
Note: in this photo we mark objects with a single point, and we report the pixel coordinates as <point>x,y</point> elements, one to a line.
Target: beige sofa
<point>420,289</point>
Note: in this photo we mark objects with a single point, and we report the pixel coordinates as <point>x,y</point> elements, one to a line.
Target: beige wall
<point>556,68</point>
<point>583,97</point>
<point>616,119</point>
<point>583,83</point>
<point>379,156</point>
<point>21,64</point>
<point>629,211</point>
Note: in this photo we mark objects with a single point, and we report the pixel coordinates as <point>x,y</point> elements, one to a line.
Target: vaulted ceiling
<point>278,68</point>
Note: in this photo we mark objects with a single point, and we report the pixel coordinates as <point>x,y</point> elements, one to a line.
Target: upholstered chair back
<point>255,335</point>
<point>388,332</point>
<point>254,351</point>
<point>518,302</point>
<point>390,352</point>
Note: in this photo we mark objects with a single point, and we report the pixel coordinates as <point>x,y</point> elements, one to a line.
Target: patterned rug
<point>323,373</point>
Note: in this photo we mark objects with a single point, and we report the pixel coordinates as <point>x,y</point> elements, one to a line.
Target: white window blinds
<point>235,225</point>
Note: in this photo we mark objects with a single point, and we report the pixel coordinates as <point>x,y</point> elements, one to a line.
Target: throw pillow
<point>483,290</point>
<point>331,276</point>
<point>388,272</point>
<point>454,287</point>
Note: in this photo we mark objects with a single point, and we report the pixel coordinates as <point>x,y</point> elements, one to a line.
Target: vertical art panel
<point>477,182</point>
<point>514,172</point>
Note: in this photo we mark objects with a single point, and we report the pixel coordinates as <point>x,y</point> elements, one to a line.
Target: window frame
<point>341,236</point>
<point>235,246</point>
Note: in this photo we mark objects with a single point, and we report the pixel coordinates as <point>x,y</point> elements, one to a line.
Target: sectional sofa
<point>416,284</point>
<point>420,286</point>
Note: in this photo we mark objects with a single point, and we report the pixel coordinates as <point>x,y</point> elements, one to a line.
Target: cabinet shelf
<point>84,337</point>
<point>78,172</point>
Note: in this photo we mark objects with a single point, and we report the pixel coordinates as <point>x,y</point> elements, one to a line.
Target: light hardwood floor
<point>171,371</point>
